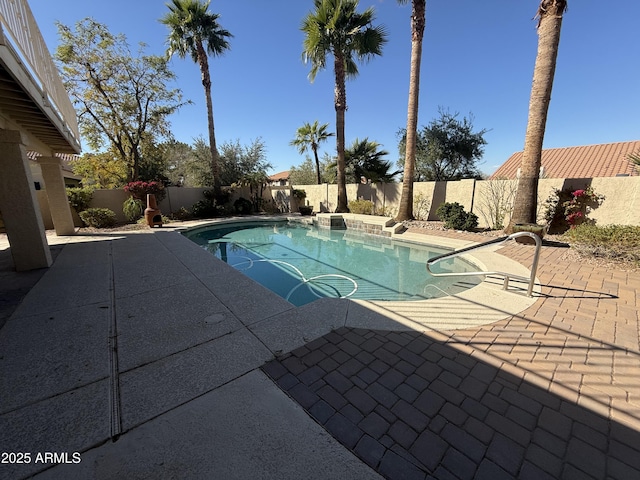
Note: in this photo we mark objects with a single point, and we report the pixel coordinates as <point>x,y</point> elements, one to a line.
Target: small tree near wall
<point>496,202</point>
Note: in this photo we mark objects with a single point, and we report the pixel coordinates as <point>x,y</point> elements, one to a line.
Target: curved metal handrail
<point>507,276</point>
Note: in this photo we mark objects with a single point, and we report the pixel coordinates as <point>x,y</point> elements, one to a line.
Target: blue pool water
<point>302,263</point>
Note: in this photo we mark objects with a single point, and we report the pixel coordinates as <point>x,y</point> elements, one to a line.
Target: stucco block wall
<point>622,202</point>
<point>178,197</point>
<point>111,199</point>
<point>621,206</point>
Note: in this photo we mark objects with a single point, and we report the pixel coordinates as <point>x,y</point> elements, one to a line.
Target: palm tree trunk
<point>526,200</point>
<point>341,106</point>
<point>315,154</point>
<point>417,28</point>
<point>206,83</point>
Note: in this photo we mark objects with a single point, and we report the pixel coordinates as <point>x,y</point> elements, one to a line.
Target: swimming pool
<point>302,263</point>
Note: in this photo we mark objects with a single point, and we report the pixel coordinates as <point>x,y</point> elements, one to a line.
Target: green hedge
<point>454,217</point>
<point>98,217</point>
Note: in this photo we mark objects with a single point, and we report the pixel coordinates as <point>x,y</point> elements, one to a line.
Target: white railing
<point>19,28</point>
<point>534,267</point>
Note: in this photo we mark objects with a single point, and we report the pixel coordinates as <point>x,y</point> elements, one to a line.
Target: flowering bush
<point>566,208</point>
<point>140,189</point>
<point>578,207</point>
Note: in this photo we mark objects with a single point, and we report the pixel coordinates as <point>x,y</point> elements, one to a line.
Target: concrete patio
<point>152,359</point>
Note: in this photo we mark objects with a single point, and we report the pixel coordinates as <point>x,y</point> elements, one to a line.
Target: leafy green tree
<point>308,137</point>
<point>177,157</point>
<point>335,28</point>
<point>101,170</point>
<point>195,31</point>
<point>240,161</point>
<point>365,160</point>
<point>446,149</point>
<point>198,168</point>
<point>550,13</point>
<point>154,163</point>
<point>303,174</point>
<point>329,163</point>
<point>122,100</point>
<point>405,210</point>
<point>306,173</point>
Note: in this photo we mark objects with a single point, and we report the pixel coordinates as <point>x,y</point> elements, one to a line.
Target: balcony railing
<point>19,32</point>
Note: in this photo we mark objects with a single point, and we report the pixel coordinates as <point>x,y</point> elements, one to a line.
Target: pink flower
<point>579,193</point>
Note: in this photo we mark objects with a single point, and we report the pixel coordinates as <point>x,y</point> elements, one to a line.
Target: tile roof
<point>66,157</point>
<point>280,176</point>
<point>591,161</point>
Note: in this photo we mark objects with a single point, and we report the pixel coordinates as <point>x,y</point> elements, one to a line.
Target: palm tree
<point>256,181</point>
<point>334,27</point>
<point>365,159</point>
<point>549,16</point>
<point>310,136</point>
<point>195,31</point>
<point>405,211</point>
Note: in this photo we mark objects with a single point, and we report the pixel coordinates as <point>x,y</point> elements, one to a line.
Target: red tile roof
<point>605,160</point>
<point>280,176</point>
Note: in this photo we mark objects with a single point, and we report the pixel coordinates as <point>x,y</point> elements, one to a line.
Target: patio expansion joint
<point>186,402</point>
<point>181,351</point>
<point>114,375</point>
<point>49,397</point>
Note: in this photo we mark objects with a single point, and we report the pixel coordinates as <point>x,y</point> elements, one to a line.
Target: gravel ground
<point>571,254</point>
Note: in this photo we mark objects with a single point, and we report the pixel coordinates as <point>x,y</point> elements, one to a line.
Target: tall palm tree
<point>309,136</point>
<point>549,16</point>
<point>405,211</point>
<point>195,31</point>
<point>336,28</point>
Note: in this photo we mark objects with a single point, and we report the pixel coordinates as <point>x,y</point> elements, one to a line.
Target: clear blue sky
<point>478,57</point>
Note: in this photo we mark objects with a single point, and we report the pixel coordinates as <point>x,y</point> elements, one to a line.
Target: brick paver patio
<point>550,393</point>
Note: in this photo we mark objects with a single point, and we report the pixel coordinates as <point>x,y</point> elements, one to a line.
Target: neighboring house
<point>279,179</point>
<point>591,161</point>
<point>70,179</point>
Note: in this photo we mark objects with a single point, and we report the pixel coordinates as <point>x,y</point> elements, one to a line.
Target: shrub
<point>421,207</point>
<point>211,206</point>
<point>132,209</point>
<point>143,221</point>
<point>243,206</point>
<point>79,197</point>
<point>204,209</point>
<point>98,217</point>
<point>299,195</point>
<point>495,203</point>
<point>361,206</point>
<point>614,242</point>
<point>271,207</point>
<point>454,217</point>
<point>566,209</point>
<point>182,214</point>
<point>386,211</point>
